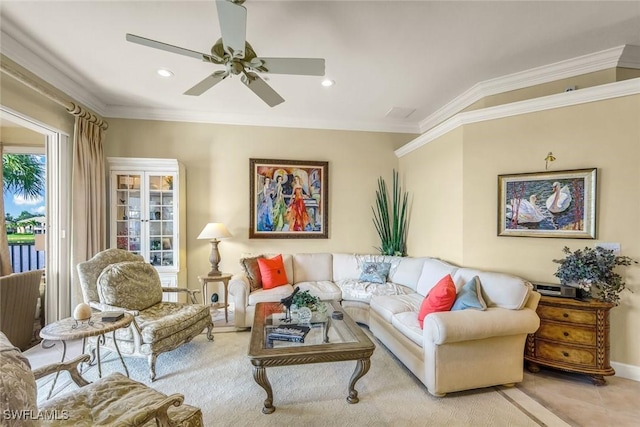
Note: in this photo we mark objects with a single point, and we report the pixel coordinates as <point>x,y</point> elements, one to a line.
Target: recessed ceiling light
<point>163,72</point>
<point>328,82</point>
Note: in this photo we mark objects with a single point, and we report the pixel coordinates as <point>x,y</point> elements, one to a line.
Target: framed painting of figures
<point>548,204</point>
<point>289,199</point>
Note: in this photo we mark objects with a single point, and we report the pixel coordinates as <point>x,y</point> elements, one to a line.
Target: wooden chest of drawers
<point>573,336</point>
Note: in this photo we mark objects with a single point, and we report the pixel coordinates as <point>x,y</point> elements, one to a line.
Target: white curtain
<point>88,205</point>
<point>5,260</point>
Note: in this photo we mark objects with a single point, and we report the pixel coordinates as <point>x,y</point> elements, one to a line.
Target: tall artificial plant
<point>391,217</point>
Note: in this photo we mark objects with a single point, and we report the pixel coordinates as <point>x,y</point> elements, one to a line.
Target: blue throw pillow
<point>470,296</point>
<point>375,272</point>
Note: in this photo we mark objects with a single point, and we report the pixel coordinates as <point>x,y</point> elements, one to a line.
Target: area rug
<point>217,377</point>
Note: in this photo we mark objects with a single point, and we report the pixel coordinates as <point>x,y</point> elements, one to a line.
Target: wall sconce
<point>548,159</point>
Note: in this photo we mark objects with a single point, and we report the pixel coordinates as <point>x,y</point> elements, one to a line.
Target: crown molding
<point>29,55</point>
<point>194,116</point>
<point>621,56</point>
<point>559,100</point>
<point>630,57</point>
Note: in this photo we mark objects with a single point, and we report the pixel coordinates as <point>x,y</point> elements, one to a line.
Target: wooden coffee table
<point>346,341</point>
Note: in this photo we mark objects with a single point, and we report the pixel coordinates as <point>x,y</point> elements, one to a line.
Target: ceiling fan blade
<point>173,49</point>
<point>207,83</point>
<point>233,25</point>
<point>300,66</point>
<point>262,89</point>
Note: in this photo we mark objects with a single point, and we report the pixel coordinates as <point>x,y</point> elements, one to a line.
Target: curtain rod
<point>72,108</point>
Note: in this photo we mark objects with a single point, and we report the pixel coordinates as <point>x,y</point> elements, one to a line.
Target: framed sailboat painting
<point>548,204</point>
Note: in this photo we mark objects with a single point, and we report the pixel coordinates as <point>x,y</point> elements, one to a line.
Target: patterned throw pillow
<point>252,270</point>
<point>133,285</point>
<point>375,272</point>
<point>272,272</point>
<point>470,296</point>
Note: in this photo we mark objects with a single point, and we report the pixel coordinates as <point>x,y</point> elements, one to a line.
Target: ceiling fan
<point>238,57</point>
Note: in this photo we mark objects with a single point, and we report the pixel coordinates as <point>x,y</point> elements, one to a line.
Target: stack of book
<point>292,333</point>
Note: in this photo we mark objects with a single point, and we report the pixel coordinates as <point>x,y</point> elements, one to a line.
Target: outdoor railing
<point>24,257</point>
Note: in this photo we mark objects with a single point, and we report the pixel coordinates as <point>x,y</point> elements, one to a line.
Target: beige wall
<point>16,135</point>
<point>20,98</point>
<point>216,158</point>
<point>433,176</point>
<point>583,81</point>
<point>604,134</point>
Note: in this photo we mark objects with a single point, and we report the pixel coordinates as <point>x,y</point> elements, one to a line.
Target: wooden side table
<point>573,336</point>
<point>224,279</point>
<point>69,329</point>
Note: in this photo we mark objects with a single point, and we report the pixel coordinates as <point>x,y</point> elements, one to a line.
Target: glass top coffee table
<point>327,340</point>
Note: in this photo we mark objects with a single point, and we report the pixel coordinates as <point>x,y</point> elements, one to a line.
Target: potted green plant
<point>305,299</point>
<point>592,269</point>
<point>391,218</point>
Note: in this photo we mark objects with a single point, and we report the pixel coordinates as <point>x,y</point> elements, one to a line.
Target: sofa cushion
<point>470,296</point>
<point>272,272</point>
<point>133,285</point>
<point>375,272</point>
<point>324,289</point>
<point>312,267</point>
<point>440,298</point>
<point>432,271</point>
<point>407,323</point>
<point>408,272</point>
<point>270,295</point>
<point>389,305</point>
<point>498,289</point>
<point>252,270</point>
<point>345,266</point>
<point>355,290</point>
<point>165,319</point>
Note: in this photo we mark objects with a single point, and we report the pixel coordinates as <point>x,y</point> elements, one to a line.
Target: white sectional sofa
<point>456,350</point>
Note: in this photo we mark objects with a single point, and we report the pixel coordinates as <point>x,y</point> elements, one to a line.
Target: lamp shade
<point>214,230</point>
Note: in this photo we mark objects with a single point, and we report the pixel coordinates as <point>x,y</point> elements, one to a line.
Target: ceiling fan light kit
<point>238,57</point>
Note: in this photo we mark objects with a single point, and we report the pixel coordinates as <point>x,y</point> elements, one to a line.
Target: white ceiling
<point>382,54</point>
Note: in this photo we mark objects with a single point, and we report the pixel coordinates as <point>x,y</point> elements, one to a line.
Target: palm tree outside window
<point>24,190</point>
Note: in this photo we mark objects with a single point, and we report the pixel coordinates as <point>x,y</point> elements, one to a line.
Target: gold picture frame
<point>548,204</point>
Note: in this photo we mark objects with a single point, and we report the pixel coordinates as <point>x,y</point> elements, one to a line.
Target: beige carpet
<point>217,377</point>
<point>219,322</point>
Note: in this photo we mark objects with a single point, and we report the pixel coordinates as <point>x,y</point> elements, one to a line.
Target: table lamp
<point>214,231</point>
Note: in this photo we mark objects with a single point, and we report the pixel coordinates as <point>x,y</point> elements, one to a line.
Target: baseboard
<point>630,372</point>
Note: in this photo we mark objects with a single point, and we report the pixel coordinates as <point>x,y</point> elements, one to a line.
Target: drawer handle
<point>565,354</point>
<point>566,334</point>
<point>565,314</point>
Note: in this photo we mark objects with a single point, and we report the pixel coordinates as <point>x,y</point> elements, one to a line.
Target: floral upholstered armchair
<point>114,400</point>
<point>117,280</point>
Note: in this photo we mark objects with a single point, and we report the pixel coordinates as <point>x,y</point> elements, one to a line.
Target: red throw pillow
<point>272,272</point>
<point>440,298</point>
